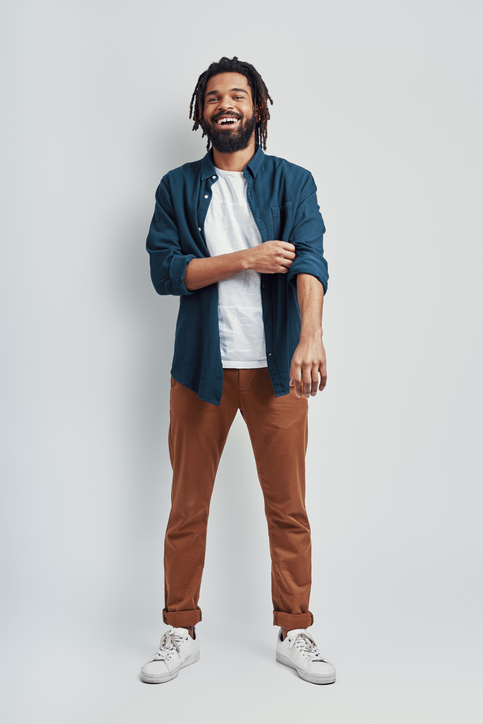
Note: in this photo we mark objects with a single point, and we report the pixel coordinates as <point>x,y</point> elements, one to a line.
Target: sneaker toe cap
<point>154,669</point>
<point>323,669</point>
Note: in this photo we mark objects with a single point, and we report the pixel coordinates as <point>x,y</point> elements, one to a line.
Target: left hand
<point>308,364</point>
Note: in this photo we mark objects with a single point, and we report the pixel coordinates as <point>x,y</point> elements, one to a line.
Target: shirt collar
<point>208,169</point>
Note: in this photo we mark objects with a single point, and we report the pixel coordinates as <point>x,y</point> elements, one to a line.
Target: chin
<point>227,141</point>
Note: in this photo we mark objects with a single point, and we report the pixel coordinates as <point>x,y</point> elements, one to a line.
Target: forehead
<point>224,82</point>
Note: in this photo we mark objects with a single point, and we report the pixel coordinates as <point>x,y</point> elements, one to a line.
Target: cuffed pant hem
<point>182,618</point>
<point>292,620</point>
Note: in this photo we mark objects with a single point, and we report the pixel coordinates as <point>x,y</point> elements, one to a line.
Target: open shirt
<point>283,201</point>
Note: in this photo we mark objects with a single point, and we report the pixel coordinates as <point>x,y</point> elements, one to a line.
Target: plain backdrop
<point>381,101</point>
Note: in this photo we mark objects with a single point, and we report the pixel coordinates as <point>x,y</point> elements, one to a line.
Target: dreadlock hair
<point>260,95</point>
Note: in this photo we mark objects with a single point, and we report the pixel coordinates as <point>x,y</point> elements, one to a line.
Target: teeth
<point>225,120</point>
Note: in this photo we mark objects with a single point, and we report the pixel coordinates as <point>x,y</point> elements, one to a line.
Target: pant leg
<point>278,432</point>
<point>197,435</point>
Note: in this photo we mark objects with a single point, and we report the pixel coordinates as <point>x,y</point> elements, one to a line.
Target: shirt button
<point>199,228</point>
<point>213,177</point>
<point>269,354</point>
<point>206,196</point>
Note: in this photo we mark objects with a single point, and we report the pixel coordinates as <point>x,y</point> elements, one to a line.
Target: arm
<point>271,257</point>
<point>308,361</point>
<point>167,261</point>
<point>308,234</point>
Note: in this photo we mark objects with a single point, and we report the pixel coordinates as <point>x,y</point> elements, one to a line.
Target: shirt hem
<point>244,365</point>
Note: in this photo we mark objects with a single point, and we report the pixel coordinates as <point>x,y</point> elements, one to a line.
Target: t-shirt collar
<point>208,169</point>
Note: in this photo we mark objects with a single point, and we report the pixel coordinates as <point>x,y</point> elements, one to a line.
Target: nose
<point>225,104</point>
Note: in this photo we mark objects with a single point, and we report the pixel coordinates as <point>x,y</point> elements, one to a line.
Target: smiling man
<point>238,236</point>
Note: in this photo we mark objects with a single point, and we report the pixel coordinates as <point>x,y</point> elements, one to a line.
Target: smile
<point>227,121</point>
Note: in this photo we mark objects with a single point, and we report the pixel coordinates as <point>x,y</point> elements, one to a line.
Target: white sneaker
<point>300,651</point>
<point>176,650</point>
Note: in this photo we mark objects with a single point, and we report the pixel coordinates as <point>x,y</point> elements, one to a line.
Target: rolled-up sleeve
<point>167,261</point>
<point>307,236</point>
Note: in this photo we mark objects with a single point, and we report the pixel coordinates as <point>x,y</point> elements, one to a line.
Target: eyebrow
<point>239,90</point>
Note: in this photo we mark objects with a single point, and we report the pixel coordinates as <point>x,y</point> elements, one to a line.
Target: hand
<point>271,257</point>
<point>308,363</point>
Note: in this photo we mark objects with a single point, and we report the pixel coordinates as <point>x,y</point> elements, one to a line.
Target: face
<point>229,117</point>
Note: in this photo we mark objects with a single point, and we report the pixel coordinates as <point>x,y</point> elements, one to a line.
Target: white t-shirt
<point>230,226</point>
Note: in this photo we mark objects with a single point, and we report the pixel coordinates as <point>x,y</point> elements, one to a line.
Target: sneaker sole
<point>312,678</point>
<point>169,677</point>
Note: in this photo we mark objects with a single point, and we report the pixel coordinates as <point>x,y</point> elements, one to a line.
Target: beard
<point>229,141</point>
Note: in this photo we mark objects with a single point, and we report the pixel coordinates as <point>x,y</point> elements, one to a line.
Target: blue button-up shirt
<point>283,201</point>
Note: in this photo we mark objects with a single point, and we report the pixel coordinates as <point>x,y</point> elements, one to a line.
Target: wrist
<point>244,259</point>
<point>309,333</point>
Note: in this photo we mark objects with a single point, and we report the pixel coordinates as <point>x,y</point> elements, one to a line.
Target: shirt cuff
<point>308,266</point>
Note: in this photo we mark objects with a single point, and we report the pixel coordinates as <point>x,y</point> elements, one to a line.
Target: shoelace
<point>306,645</point>
<point>169,644</point>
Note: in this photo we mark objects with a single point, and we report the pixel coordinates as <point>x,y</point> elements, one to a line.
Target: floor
<point>52,676</point>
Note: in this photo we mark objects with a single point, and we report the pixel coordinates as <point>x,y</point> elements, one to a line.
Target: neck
<point>234,161</point>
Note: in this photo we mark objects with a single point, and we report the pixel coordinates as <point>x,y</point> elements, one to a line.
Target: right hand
<point>271,257</point>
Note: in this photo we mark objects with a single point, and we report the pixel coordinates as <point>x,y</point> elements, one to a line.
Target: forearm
<point>203,272</point>
<point>271,257</point>
<point>310,295</point>
<point>308,361</point>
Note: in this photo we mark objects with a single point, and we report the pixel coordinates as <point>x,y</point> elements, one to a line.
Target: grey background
<point>382,102</point>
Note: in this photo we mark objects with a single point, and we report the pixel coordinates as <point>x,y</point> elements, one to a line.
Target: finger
<point>323,377</point>
<point>283,258</point>
<point>315,381</point>
<point>307,381</point>
<point>288,246</point>
<point>296,377</point>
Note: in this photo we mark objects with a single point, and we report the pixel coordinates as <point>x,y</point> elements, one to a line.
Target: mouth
<point>227,122</point>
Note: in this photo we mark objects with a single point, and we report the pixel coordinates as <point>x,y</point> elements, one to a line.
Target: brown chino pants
<point>197,435</point>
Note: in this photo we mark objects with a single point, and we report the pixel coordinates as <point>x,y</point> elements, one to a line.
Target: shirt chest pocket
<point>282,220</point>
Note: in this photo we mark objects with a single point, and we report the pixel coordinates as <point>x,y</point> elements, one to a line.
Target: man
<point>238,236</point>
